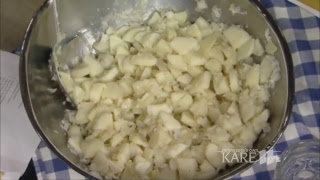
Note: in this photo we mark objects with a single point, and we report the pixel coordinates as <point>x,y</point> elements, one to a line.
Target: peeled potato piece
<point>183,45</point>
<point>236,36</point>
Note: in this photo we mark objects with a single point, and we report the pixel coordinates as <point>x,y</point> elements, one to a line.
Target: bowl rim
<point>24,89</point>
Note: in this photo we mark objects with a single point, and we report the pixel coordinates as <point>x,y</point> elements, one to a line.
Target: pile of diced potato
<point>164,97</point>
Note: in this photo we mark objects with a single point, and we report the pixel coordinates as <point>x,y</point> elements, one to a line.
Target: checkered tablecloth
<point>301,30</point>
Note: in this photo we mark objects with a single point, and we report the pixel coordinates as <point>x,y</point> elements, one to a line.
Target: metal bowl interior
<point>46,110</point>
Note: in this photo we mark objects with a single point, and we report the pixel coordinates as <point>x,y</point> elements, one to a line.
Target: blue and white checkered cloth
<point>301,30</point>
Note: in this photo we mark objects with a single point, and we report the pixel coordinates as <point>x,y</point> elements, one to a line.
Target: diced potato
<point>234,81</point>
<point>166,173</point>
<point>232,120</point>
<point>126,66</point>
<point>203,25</point>
<point>146,100</point>
<point>162,48</point>
<point>83,109</point>
<point>142,165</point>
<point>164,78</point>
<point>126,87</point>
<point>159,160</point>
<point>178,62</point>
<point>146,73</point>
<point>91,147</point>
<point>103,121</point>
<point>67,81</point>
<point>115,43</point>
<point>199,108</point>
<point>122,30</point>
<point>260,121</point>
<point>129,35</point>
<point>135,150</point>
<point>247,135</point>
<point>120,124</point>
<point>207,171</point>
<point>106,60</point>
<point>110,75</point>
<point>203,121</point>
<point>183,45</point>
<point>143,86</point>
<point>80,70</point>
<point>258,48</point>
<point>181,101</point>
<point>122,51</point>
<point>112,90</point>
<point>159,138</point>
<point>169,122</point>
<point>139,71</point>
<point>175,72</point>
<point>175,150</point>
<point>271,48</point>
<point>148,153</point>
<point>213,113</point>
<point>154,110</point>
<point>116,139</point>
<point>102,45</point>
<point>268,65</point>
<point>109,30</point>
<point>236,36</point>
<point>246,50</point>
<point>172,24</point>
<point>155,18</point>
<point>80,80</point>
<point>188,119</point>
<point>74,130</point>
<point>181,17</point>
<point>96,92</point>
<point>74,142</point>
<point>187,168</point>
<point>99,163</point>
<point>184,79</point>
<point>195,70</point>
<point>213,156</point>
<point>200,83</point>
<point>129,173</point>
<point>138,139</point>
<point>173,164</point>
<point>145,59</point>
<point>191,31</point>
<point>195,59</point>
<point>78,94</point>
<point>106,135</point>
<point>253,77</point>
<point>220,84</point>
<point>247,107</point>
<point>262,93</point>
<point>214,66</point>
<point>170,34</point>
<point>231,123</point>
<point>217,134</point>
<point>86,86</point>
<point>229,52</point>
<point>140,35</point>
<point>208,42</point>
<point>96,67</point>
<point>215,53</point>
<point>149,40</point>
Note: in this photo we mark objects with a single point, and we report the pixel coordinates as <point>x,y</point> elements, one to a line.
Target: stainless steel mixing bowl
<point>46,110</point>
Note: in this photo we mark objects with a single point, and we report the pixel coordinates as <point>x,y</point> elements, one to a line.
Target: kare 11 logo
<point>249,156</point>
